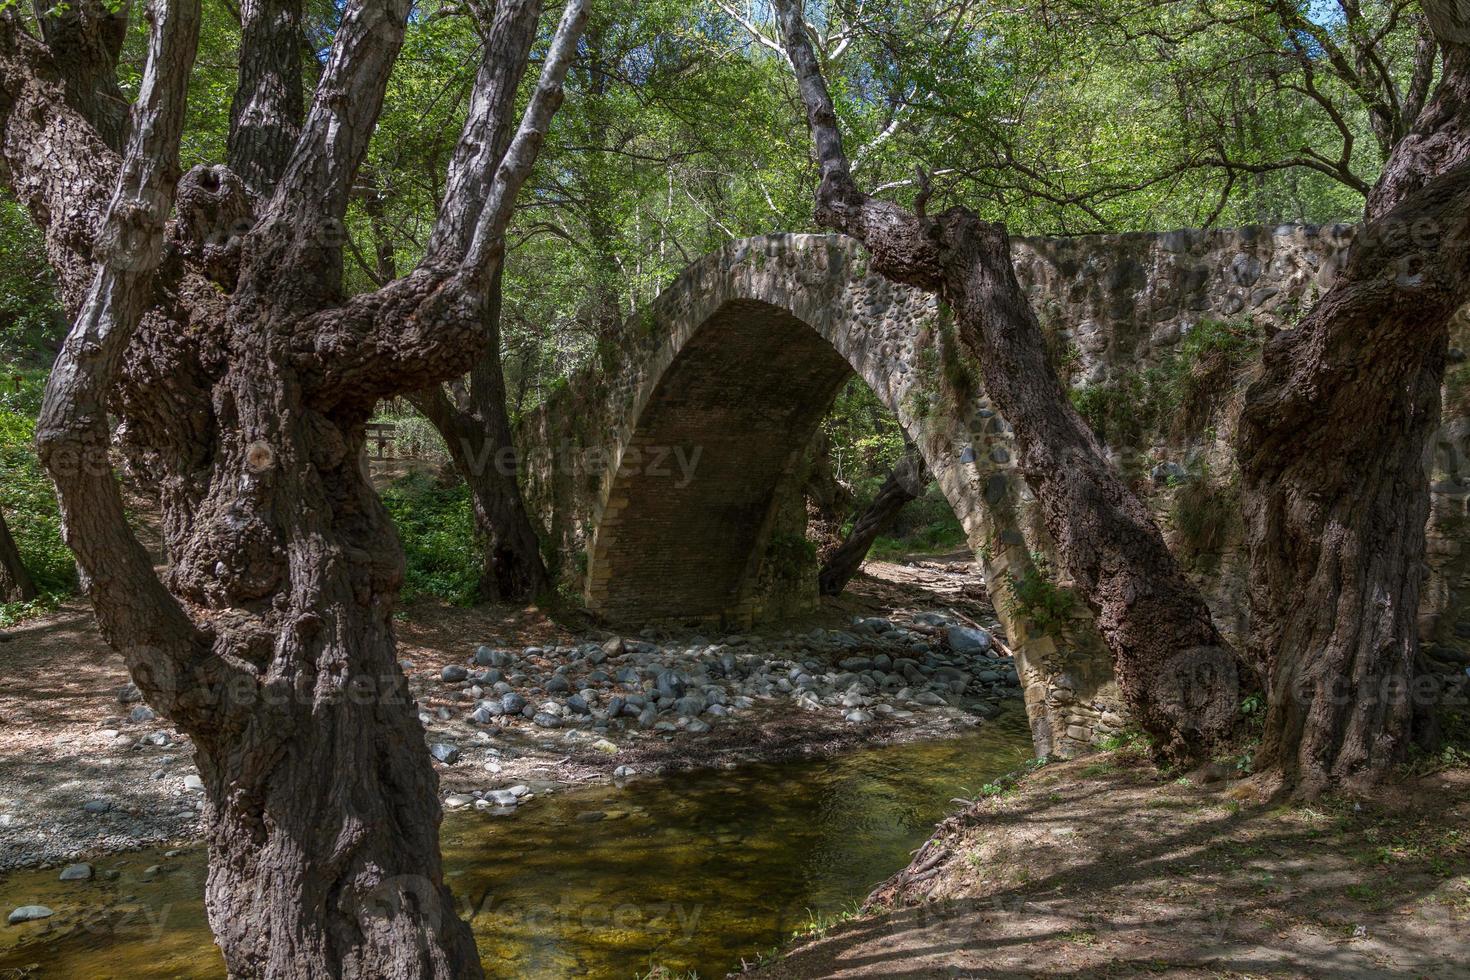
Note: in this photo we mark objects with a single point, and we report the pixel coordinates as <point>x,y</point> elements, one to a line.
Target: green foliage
<point>28,499</point>
<point>436,525</point>
<point>1206,515</point>
<point>1042,601</point>
<point>31,321</point>
<point>926,525</point>
<point>864,440</point>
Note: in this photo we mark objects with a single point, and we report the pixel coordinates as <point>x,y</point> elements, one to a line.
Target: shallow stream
<point>691,872</point>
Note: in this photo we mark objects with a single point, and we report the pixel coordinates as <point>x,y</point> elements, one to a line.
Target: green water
<point>689,872</point>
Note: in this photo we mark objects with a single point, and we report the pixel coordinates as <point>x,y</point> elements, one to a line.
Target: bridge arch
<point>665,474</point>
<point>752,354</point>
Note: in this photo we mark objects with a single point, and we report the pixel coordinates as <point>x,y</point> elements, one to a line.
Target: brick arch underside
<point>745,392</point>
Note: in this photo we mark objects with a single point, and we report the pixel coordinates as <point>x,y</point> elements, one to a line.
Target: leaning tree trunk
<point>15,581</point>
<point>1179,678</point>
<point>245,380</point>
<point>1332,446</point>
<point>905,483</point>
<point>481,444</point>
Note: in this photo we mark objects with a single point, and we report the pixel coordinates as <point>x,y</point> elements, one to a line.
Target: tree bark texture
<point>86,38</point>
<point>265,116</point>
<point>15,581</point>
<point>1181,681</point>
<point>905,483</point>
<point>243,380</point>
<point>1332,446</point>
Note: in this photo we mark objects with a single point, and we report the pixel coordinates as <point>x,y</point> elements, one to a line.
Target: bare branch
<point>751,28</point>
<point>487,127</point>
<point>265,116</point>
<point>488,243</point>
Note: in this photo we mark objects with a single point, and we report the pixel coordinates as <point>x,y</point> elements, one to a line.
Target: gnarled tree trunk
<point>15,581</point>
<point>244,379</point>
<point>1331,445</point>
<point>905,483</point>
<point>1180,679</point>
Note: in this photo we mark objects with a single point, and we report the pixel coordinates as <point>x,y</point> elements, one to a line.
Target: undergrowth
<point>436,526</point>
<point>1178,396</point>
<point>28,499</point>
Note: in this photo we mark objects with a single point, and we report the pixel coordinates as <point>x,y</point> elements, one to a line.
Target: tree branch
<point>311,197</point>
<point>265,116</point>
<point>135,612</point>
<point>85,38</point>
<point>487,244</point>
<point>487,127</point>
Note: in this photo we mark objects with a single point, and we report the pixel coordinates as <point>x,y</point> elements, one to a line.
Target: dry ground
<point>1106,867</point>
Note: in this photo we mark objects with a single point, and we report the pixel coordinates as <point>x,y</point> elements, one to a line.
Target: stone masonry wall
<point>666,476</point>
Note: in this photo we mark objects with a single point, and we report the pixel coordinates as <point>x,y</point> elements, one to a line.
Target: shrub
<point>28,499</point>
<point>436,525</point>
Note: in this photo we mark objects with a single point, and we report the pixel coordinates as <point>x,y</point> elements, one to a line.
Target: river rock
<point>486,657</point>
<point>858,715</point>
<point>142,713</point>
<point>193,783</point>
<point>512,703</point>
<point>29,913</point>
<point>624,772</point>
<point>487,712</point>
<point>697,727</point>
<point>453,674</point>
<point>969,640</point>
<point>545,719</point>
<point>558,684</point>
<point>447,754</point>
<point>502,797</point>
<point>97,806</point>
<point>690,705</point>
<point>76,872</point>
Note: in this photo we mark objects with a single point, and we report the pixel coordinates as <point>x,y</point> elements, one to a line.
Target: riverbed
<point>692,872</point>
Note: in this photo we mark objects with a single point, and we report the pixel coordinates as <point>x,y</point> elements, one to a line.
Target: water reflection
<point>690,872</point>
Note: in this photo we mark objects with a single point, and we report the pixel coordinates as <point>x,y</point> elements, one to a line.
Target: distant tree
<point>15,581</point>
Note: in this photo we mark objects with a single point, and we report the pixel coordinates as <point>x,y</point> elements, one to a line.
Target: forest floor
<point>81,775</point>
<point>1108,867</point>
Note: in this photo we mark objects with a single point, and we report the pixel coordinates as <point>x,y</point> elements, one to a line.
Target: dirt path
<point>1104,867</point>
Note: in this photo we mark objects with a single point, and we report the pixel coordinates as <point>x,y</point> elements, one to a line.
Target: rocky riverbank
<point>619,707</point>
<point>532,708</point>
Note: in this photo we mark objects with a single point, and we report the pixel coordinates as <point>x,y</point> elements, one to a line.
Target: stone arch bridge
<point>669,476</point>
